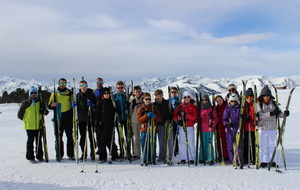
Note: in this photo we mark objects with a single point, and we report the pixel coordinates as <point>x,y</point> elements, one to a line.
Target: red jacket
<point>249,111</point>
<point>190,112</point>
<point>220,110</point>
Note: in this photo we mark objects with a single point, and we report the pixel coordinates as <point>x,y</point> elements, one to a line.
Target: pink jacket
<point>206,116</point>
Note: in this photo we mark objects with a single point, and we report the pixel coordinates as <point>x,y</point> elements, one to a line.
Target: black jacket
<point>82,104</point>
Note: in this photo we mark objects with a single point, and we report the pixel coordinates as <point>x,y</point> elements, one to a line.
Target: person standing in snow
<point>135,103</point>
<point>163,106</point>
<point>30,112</point>
<point>174,102</point>
<point>186,112</point>
<point>220,107</point>
<point>144,115</point>
<point>249,128</point>
<point>98,90</point>
<point>209,120</point>
<point>63,101</point>
<point>85,100</point>
<point>231,89</point>
<point>267,113</point>
<point>230,119</point>
<point>105,118</point>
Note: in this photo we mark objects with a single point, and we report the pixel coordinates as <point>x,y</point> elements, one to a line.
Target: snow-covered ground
<point>17,173</point>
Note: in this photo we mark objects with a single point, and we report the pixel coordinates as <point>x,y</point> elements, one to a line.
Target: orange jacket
<point>143,119</point>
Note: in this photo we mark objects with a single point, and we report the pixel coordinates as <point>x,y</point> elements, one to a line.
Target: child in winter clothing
<point>105,117</point>
<point>231,117</point>
<point>220,107</point>
<point>85,100</point>
<point>249,128</point>
<point>209,120</point>
<point>185,115</point>
<point>267,125</point>
<point>144,116</point>
<point>30,112</point>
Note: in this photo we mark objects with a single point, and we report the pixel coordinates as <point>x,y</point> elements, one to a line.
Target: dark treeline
<point>20,95</point>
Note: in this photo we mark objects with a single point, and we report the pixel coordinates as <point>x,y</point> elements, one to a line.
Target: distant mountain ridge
<point>191,83</point>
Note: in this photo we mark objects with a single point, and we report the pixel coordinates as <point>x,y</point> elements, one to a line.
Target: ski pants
<point>208,147</point>
<point>84,128</point>
<point>267,143</point>
<point>161,142</point>
<point>107,140</point>
<point>145,144</point>
<point>31,135</point>
<point>66,125</point>
<point>231,142</point>
<point>184,153</point>
<point>247,142</point>
<point>136,139</point>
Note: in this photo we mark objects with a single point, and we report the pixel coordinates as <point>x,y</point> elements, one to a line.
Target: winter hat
<point>234,96</point>
<point>105,89</point>
<point>231,86</point>
<point>32,89</point>
<point>207,105</point>
<point>249,92</point>
<point>186,93</point>
<point>265,91</point>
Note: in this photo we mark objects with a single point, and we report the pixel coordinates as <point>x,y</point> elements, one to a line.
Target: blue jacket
<point>120,99</point>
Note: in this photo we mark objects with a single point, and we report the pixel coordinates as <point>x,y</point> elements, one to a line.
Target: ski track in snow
<point>17,173</point>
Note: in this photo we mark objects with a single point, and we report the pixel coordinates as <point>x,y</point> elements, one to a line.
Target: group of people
<point>99,111</point>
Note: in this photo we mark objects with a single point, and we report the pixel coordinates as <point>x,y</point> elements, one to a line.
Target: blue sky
<point>134,39</point>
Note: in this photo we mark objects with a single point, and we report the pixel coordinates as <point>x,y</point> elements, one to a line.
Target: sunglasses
<point>204,100</point>
<point>105,93</point>
<point>64,84</point>
<point>120,87</point>
<point>83,85</point>
<point>186,97</point>
<point>266,96</point>
<point>173,92</point>
<point>100,82</point>
<point>147,99</point>
<point>33,93</point>
<point>233,101</point>
<point>249,97</point>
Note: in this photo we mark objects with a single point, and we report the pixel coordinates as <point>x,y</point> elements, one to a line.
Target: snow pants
<point>136,139</point>
<point>183,152</point>
<point>161,142</point>
<point>146,148</point>
<point>267,143</point>
<point>31,136</point>
<point>208,147</point>
<point>231,141</point>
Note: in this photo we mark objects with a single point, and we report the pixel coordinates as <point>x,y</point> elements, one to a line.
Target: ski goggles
<point>63,84</point>
<point>100,82</point>
<point>83,85</point>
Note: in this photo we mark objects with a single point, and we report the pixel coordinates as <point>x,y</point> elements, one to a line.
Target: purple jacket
<point>231,114</point>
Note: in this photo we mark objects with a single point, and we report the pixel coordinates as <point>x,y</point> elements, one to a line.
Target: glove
<point>179,122</point>
<point>44,111</point>
<point>286,112</point>
<point>257,115</point>
<point>73,104</point>
<point>90,104</point>
<point>275,112</point>
<point>229,124</point>
<point>150,114</point>
<point>246,118</point>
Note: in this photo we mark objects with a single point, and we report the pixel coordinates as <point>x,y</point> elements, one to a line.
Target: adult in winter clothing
<point>163,106</point>
<point>85,102</point>
<point>185,115</point>
<point>30,113</point>
<point>61,101</point>
<point>98,90</point>
<point>174,104</point>
<point>121,105</point>
<point>267,125</point>
<point>249,128</point>
<point>209,120</point>
<point>144,115</point>
<point>135,104</point>
<point>230,119</point>
<point>220,107</point>
<point>105,117</point>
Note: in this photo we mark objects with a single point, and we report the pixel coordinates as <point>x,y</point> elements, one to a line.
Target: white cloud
<point>102,21</point>
<point>243,39</point>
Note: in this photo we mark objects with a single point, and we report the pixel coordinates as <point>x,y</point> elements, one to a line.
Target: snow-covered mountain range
<point>191,83</point>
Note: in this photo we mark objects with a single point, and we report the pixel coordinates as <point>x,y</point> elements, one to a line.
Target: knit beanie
<point>249,92</point>
<point>105,89</point>
<point>234,96</point>
<point>32,89</point>
<point>265,91</point>
<point>231,86</point>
